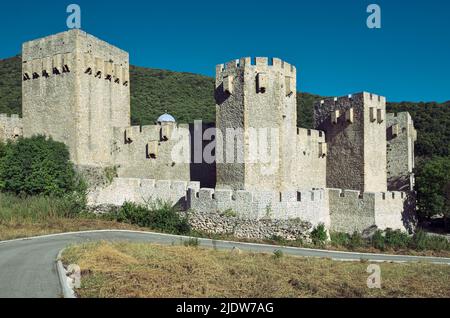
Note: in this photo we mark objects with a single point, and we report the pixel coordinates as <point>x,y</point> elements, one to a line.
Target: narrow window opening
<point>45,74</point>
<point>66,69</point>
<point>88,71</point>
<point>35,75</point>
<point>56,71</point>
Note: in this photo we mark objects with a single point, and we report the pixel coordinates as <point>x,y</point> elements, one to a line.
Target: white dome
<point>166,118</point>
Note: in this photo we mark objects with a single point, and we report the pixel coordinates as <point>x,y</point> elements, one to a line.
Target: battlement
<point>258,63</point>
<point>364,99</point>
<point>310,206</point>
<point>358,195</point>
<point>160,132</point>
<point>356,211</point>
<point>141,191</point>
<point>312,134</point>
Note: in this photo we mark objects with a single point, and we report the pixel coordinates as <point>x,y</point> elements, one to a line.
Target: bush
<point>35,166</point>
<point>422,241</point>
<point>356,240</point>
<point>319,235</point>
<point>278,254</point>
<point>340,239</point>
<point>159,216</point>
<point>396,239</point>
<point>378,241</point>
<point>192,242</point>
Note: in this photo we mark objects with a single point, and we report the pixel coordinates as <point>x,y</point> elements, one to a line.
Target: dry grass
<point>145,270</point>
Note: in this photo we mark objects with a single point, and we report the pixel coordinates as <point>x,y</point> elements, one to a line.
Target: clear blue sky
<point>328,40</point>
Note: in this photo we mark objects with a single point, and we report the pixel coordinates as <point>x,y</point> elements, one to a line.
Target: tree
<point>433,187</point>
<point>36,166</point>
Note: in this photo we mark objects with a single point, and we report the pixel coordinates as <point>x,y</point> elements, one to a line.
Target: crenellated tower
<point>76,90</point>
<point>256,98</point>
<point>355,128</point>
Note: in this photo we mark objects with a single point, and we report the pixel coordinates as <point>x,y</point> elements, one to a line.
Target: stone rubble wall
<point>216,223</point>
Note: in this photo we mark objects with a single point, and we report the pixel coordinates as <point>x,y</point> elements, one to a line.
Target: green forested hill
<point>11,85</point>
<point>190,96</point>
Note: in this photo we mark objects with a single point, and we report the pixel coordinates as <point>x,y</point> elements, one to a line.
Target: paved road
<point>28,267</point>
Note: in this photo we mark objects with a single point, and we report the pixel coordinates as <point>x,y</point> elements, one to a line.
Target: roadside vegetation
<point>145,270</point>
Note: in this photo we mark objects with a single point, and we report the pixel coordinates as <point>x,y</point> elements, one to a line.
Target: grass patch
<point>144,270</point>
<point>40,215</point>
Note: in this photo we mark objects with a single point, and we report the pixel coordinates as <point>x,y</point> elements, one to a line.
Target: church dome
<point>166,118</point>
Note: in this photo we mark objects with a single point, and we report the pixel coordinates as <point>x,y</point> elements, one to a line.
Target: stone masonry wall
<point>11,127</point>
<point>401,136</point>
<point>160,152</point>
<point>351,211</point>
<point>254,95</point>
<point>311,163</point>
<point>355,129</point>
<point>309,206</point>
<point>140,191</point>
<point>76,89</point>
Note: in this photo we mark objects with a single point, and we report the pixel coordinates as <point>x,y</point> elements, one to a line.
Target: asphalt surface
<point>28,266</point>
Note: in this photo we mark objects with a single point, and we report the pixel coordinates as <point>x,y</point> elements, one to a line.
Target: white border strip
<point>68,292</point>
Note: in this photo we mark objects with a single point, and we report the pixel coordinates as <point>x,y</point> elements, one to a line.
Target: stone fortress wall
<point>159,151</point>
<point>401,136</point>
<point>11,127</point>
<point>355,127</point>
<point>335,174</point>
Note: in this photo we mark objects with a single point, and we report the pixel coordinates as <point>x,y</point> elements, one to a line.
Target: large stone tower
<point>256,98</point>
<point>355,128</point>
<point>76,89</point>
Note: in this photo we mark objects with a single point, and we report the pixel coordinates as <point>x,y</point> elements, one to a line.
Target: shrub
<point>159,216</point>
<point>340,239</point>
<point>378,240</point>
<point>422,241</point>
<point>278,254</point>
<point>37,165</point>
<point>192,242</point>
<point>356,240</point>
<point>396,239</point>
<point>319,235</point>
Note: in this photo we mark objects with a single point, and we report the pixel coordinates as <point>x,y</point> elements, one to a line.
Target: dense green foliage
<point>158,216</point>
<point>432,121</point>
<point>319,234</point>
<point>186,96</point>
<point>11,86</point>
<point>391,240</point>
<point>433,187</point>
<point>35,166</point>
